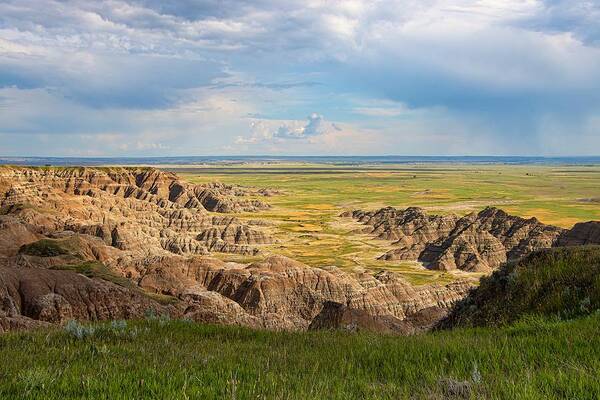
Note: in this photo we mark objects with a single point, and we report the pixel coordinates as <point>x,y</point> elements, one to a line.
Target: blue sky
<point>311,77</point>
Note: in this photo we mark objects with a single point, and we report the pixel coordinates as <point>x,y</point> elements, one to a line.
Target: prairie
<point>305,214</point>
<point>158,359</point>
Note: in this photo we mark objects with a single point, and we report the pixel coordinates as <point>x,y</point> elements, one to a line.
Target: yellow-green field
<point>305,216</point>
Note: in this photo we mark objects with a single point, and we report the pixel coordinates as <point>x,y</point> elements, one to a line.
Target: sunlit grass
<point>305,215</point>
<point>161,359</point>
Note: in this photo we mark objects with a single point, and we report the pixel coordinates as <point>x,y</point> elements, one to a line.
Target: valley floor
<point>160,359</point>
<point>305,212</point>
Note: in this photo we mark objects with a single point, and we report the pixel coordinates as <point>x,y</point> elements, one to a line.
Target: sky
<point>299,77</point>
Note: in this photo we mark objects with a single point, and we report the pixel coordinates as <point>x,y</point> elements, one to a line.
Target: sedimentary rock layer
<point>476,242</point>
<point>104,243</point>
<point>132,209</point>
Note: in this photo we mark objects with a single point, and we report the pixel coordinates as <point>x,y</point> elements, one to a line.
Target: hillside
<point>562,282</point>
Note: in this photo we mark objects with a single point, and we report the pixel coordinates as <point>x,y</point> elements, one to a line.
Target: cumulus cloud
<point>262,131</point>
<point>315,126</point>
<point>315,135</point>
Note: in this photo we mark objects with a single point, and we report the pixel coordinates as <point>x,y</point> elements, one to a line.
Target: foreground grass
<point>534,359</point>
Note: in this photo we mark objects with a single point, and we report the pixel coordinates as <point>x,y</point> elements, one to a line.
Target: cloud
<point>579,18</point>
<point>262,131</point>
<point>315,126</point>
<point>36,121</point>
<point>381,109</point>
<point>195,72</point>
<point>312,136</point>
<point>105,80</point>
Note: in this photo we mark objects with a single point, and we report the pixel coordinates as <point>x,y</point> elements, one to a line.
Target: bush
<point>43,248</point>
<point>559,283</point>
<point>78,330</point>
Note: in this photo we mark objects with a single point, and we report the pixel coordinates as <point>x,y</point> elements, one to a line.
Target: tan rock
<point>131,208</point>
<point>476,242</point>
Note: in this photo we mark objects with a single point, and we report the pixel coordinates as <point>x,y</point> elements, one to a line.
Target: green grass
<point>535,359</point>
<point>561,282</point>
<point>311,202</point>
<point>44,248</point>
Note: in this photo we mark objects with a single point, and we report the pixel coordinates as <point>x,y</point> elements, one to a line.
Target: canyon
<point>119,243</point>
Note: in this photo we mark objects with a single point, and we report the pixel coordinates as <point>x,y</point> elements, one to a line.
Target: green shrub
<point>43,248</point>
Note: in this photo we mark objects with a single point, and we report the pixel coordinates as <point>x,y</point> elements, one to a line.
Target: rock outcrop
<point>30,297</point>
<point>132,209</point>
<point>478,242</point>
<point>107,243</point>
<point>149,184</point>
<point>582,233</point>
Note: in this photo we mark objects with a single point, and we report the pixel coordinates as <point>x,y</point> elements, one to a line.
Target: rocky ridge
<point>132,208</point>
<point>477,242</point>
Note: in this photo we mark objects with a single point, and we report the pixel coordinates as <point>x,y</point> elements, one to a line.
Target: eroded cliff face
<point>32,297</point>
<point>132,209</point>
<point>43,281</point>
<point>479,242</point>
<point>101,243</point>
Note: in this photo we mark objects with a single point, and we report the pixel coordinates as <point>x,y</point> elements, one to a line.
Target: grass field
<point>534,359</point>
<point>305,215</point>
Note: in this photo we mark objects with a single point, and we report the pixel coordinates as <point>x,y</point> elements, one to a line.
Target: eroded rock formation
<point>582,233</point>
<point>107,243</point>
<point>132,209</point>
<point>476,242</point>
<point>30,297</point>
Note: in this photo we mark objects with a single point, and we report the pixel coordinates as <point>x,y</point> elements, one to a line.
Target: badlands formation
<point>477,242</point>
<point>113,243</point>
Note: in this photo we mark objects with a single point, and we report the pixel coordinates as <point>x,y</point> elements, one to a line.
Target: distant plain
<point>305,214</point>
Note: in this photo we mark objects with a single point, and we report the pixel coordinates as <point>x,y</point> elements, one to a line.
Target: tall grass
<point>534,359</point>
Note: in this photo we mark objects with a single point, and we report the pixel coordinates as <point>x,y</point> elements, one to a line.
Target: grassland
<point>534,359</point>
<point>305,214</point>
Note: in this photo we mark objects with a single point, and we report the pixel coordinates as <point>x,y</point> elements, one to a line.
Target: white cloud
<point>281,130</point>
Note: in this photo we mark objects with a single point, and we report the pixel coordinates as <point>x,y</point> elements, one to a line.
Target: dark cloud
<point>103,80</point>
